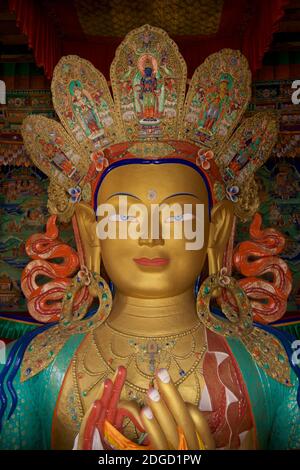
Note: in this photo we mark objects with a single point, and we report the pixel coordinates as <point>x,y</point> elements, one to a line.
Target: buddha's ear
<point>222,216</point>
<point>86,223</point>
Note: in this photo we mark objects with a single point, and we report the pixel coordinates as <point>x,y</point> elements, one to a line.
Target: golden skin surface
<point>158,300</point>
<point>152,303</point>
<point>173,184</point>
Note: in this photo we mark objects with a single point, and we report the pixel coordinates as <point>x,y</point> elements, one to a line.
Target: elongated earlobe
<point>86,222</point>
<point>220,228</point>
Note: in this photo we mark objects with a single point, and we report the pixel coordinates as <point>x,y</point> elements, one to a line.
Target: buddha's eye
<point>180,217</point>
<point>122,218</point>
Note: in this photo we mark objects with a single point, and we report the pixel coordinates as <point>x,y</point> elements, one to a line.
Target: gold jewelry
<point>265,349</point>
<point>238,325</point>
<point>138,350</point>
<point>174,336</point>
<point>91,366</point>
<point>71,154</point>
<point>74,322</point>
<point>184,366</point>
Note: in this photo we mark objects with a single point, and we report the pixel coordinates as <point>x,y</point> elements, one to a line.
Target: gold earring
<point>236,324</point>
<point>74,322</point>
<point>265,349</point>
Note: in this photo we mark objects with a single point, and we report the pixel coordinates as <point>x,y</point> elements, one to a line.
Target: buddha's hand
<point>103,413</point>
<point>167,417</point>
<point>169,422</point>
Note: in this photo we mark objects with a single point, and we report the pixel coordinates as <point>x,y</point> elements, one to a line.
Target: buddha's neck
<point>153,317</point>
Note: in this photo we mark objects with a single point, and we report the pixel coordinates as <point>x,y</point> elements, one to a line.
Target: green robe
<point>274,406</point>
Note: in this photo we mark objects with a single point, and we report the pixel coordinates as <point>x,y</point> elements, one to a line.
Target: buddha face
<point>223,87</point>
<point>154,267</point>
<point>148,71</point>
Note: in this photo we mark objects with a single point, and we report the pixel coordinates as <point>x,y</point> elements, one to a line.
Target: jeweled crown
<point>151,116</point>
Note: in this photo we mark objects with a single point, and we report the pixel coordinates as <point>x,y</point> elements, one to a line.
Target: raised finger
<point>202,427</point>
<point>163,416</point>
<point>116,393</point>
<point>88,426</point>
<point>177,407</point>
<point>106,396</point>
<point>156,436</point>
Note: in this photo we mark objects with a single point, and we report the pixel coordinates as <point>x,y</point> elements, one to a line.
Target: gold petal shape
<point>54,151</point>
<point>270,355</point>
<point>83,103</point>
<point>218,95</point>
<point>42,350</point>
<point>248,148</point>
<point>148,77</point>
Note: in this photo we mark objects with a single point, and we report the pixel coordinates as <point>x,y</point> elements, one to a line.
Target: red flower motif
<point>59,140</point>
<point>203,158</point>
<point>99,160</point>
<point>49,149</point>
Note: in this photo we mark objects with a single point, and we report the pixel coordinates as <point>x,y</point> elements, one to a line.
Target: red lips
<point>151,261</point>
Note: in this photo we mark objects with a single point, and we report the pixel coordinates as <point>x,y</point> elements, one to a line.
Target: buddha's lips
<point>151,261</point>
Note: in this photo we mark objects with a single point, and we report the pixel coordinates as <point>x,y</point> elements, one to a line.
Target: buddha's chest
<point>200,364</point>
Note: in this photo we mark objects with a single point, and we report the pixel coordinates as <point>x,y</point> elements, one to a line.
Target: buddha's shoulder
<point>47,348</point>
<point>265,349</point>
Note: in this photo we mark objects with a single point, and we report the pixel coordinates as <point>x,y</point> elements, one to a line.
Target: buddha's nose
<point>151,241</point>
<point>152,234</point>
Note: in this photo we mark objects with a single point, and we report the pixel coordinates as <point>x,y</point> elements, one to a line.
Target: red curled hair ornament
<point>204,127</point>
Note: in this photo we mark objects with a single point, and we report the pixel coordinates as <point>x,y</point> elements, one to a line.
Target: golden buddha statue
<point>169,357</point>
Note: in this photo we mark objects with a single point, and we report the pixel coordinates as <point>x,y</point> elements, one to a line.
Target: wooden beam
<point>8,27</point>
<point>289,26</point>
<point>293,4</point>
<point>13,39</point>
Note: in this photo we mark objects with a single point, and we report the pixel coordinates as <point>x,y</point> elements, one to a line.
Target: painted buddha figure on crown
<point>150,342</point>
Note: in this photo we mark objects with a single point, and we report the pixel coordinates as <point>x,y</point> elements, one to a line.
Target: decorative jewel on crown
<point>151,117</point>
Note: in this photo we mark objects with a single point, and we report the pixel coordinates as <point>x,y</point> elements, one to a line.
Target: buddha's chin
<point>151,283</point>
<point>151,277</point>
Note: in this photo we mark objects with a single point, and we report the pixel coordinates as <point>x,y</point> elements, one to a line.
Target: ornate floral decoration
<point>151,118</point>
